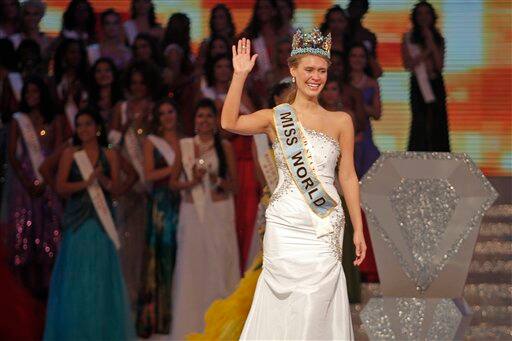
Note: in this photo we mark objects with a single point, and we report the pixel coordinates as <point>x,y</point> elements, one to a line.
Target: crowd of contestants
<point>112,88</point>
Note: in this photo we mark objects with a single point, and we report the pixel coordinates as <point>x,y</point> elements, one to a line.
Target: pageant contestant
<point>207,265</point>
<point>88,299</point>
<point>423,50</point>
<point>162,163</point>
<point>301,292</point>
<point>130,124</point>
<point>33,208</point>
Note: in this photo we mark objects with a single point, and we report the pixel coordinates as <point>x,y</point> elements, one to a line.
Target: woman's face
<point>265,11</point>
<point>138,88</point>
<point>103,74</point>
<point>31,17</point>
<point>218,47</point>
<point>223,70</point>
<point>424,16</point>
<point>81,14</point>
<point>9,8</point>
<point>283,53</point>
<point>33,96</point>
<point>310,75</point>
<point>73,56</point>
<point>331,93</point>
<point>167,117</point>
<point>112,26</point>
<point>205,120</point>
<point>174,58</point>
<point>142,50</point>
<point>337,23</point>
<point>357,59</point>
<point>220,20</point>
<point>86,128</point>
<point>284,10</point>
<point>142,7</point>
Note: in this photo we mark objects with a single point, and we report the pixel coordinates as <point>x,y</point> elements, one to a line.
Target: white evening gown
<point>301,293</point>
<point>207,261</point>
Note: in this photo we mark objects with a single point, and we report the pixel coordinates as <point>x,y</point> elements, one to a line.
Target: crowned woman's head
<point>308,62</point>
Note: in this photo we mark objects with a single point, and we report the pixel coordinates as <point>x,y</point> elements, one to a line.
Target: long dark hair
<point>150,74</point>
<point>253,29</point>
<point>219,150</point>
<point>348,69</point>
<point>277,90</point>
<point>156,53</point>
<point>324,27</point>
<point>46,105</point>
<point>417,36</point>
<point>100,123</point>
<point>68,19</point>
<point>229,18</point>
<point>60,55</point>
<point>210,67</point>
<point>116,93</point>
<point>176,34</point>
<point>152,15</point>
<point>155,120</point>
<point>8,55</point>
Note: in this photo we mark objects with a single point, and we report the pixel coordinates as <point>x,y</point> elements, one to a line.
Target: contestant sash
<point>93,53</point>
<point>189,160</point>
<point>164,148</point>
<point>263,61</point>
<point>16,84</point>
<point>130,29</point>
<point>97,197</point>
<point>266,161</point>
<point>31,140</point>
<point>71,111</point>
<point>420,71</point>
<point>292,140</point>
<point>132,146</point>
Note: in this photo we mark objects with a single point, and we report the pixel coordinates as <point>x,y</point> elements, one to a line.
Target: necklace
<point>203,146</point>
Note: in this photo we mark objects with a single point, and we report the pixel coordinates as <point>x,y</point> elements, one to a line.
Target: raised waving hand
<point>243,63</point>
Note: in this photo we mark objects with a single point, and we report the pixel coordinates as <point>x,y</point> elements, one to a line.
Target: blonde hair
<point>293,62</point>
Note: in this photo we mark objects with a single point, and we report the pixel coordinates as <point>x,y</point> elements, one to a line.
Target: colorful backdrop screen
<point>478,70</point>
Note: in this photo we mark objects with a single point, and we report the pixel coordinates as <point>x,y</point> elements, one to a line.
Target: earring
<point>293,79</point>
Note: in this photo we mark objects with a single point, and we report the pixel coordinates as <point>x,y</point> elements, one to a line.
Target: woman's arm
<point>14,135</point>
<point>63,186</point>
<point>231,183</point>
<point>433,51</point>
<point>110,184</point>
<point>131,176</point>
<point>350,184</point>
<point>50,165</point>
<point>255,123</point>
<point>150,173</point>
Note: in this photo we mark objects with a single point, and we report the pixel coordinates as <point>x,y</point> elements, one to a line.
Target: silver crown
<point>313,42</point>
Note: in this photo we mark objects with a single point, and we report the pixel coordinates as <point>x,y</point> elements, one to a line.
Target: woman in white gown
<point>207,266</point>
<point>301,292</point>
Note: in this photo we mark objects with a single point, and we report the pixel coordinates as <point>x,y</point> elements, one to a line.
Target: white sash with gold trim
<point>199,195</point>
<point>31,140</point>
<point>291,137</point>
<point>97,197</point>
<point>266,161</point>
<point>16,83</point>
<point>164,148</point>
<point>420,71</point>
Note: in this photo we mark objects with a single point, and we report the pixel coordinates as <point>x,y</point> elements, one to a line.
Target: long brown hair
<point>293,62</point>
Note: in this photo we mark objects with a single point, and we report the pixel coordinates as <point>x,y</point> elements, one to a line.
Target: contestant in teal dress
<point>88,299</point>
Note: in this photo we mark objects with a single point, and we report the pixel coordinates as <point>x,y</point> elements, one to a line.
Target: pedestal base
<point>404,318</point>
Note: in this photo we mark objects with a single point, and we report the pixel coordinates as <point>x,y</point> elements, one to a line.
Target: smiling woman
<point>302,271</point>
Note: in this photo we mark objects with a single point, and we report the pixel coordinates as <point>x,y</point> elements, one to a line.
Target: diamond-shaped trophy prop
<point>424,212</point>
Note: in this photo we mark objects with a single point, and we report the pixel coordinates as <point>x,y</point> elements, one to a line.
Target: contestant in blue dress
<point>88,299</point>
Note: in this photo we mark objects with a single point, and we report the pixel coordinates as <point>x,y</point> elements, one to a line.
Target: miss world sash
<point>292,141</point>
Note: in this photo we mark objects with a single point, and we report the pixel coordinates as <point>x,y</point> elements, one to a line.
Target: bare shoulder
<point>373,82</point>
<point>338,117</point>
<point>267,113</point>
<point>69,151</point>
